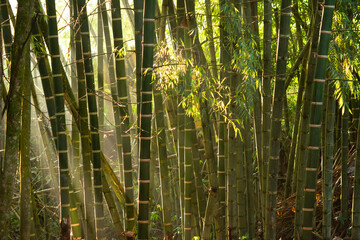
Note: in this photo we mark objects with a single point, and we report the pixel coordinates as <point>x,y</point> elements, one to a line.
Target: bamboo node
<point>307,228</point>
<point>309,190</point>
<point>317,103</point>
<point>143,221</point>
<point>313,148</point>
<point>315,125</point>
<point>329,6</point>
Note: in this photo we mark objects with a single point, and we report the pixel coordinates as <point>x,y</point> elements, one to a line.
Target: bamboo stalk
<point>315,116</point>
<point>145,119</point>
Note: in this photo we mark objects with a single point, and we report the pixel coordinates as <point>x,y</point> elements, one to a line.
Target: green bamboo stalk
<point>196,220</point>
<point>355,210</point>
<point>328,162</point>
<point>188,180</point>
<point>266,108</point>
<point>113,87</point>
<point>180,12</point>
<point>188,160</point>
<point>337,127</point>
<point>304,127</point>
<point>164,171</point>
<point>354,119</point>
<point>84,135</point>
<point>100,68</point>
<point>252,23</point>
<point>162,22</point>
<point>161,137</point>
<point>201,201</point>
<point>172,159</point>
<point>94,124</point>
<point>138,9</point>
<point>225,57</point>
<point>172,21</point>
<point>77,193</point>
<point>276,116</point>
<point>241,187</point>
<point>210,37</point>
<point>112,208</point>
<point>344,163</point>
<point>315,116</point>
<point>60,113</point>
<point>249,179</point>
<point>231,193</point>
<point>13,115</point>
<point>123,114</point>
<point>25,165</point>
<point>146,115</point>
<point>74,214</point>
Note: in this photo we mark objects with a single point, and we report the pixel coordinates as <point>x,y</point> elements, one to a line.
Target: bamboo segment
<point>315,117</point>
<point>354,103</point>
<point>328,160</point>
<point>344,163</point>
<point>222,209</point>
<point>60,112</point>
<point>113,86</point>
<point>77,193</point>
<point>241,187</point>
<point>266,109</point>
<point>211,39</point>
<point>249,181</point>
<point>100,67</point>
<point>180,11</point>
<point>164,171</point>
<point>123,114</point>
<point>231,193</point>
<point>138,15</point>
<point>355,212</point>
<point>112,208</point>
<point>304,127</point>
<point>90,231</point>
<point>188,160</point>
<point>276,116</point>
<point>145,118</point>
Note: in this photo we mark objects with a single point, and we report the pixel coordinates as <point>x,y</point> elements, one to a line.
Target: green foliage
<point>39,48</point>
<point>343,55</point>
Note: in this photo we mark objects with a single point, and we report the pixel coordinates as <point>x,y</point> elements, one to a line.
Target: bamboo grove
<point>179,119</point>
